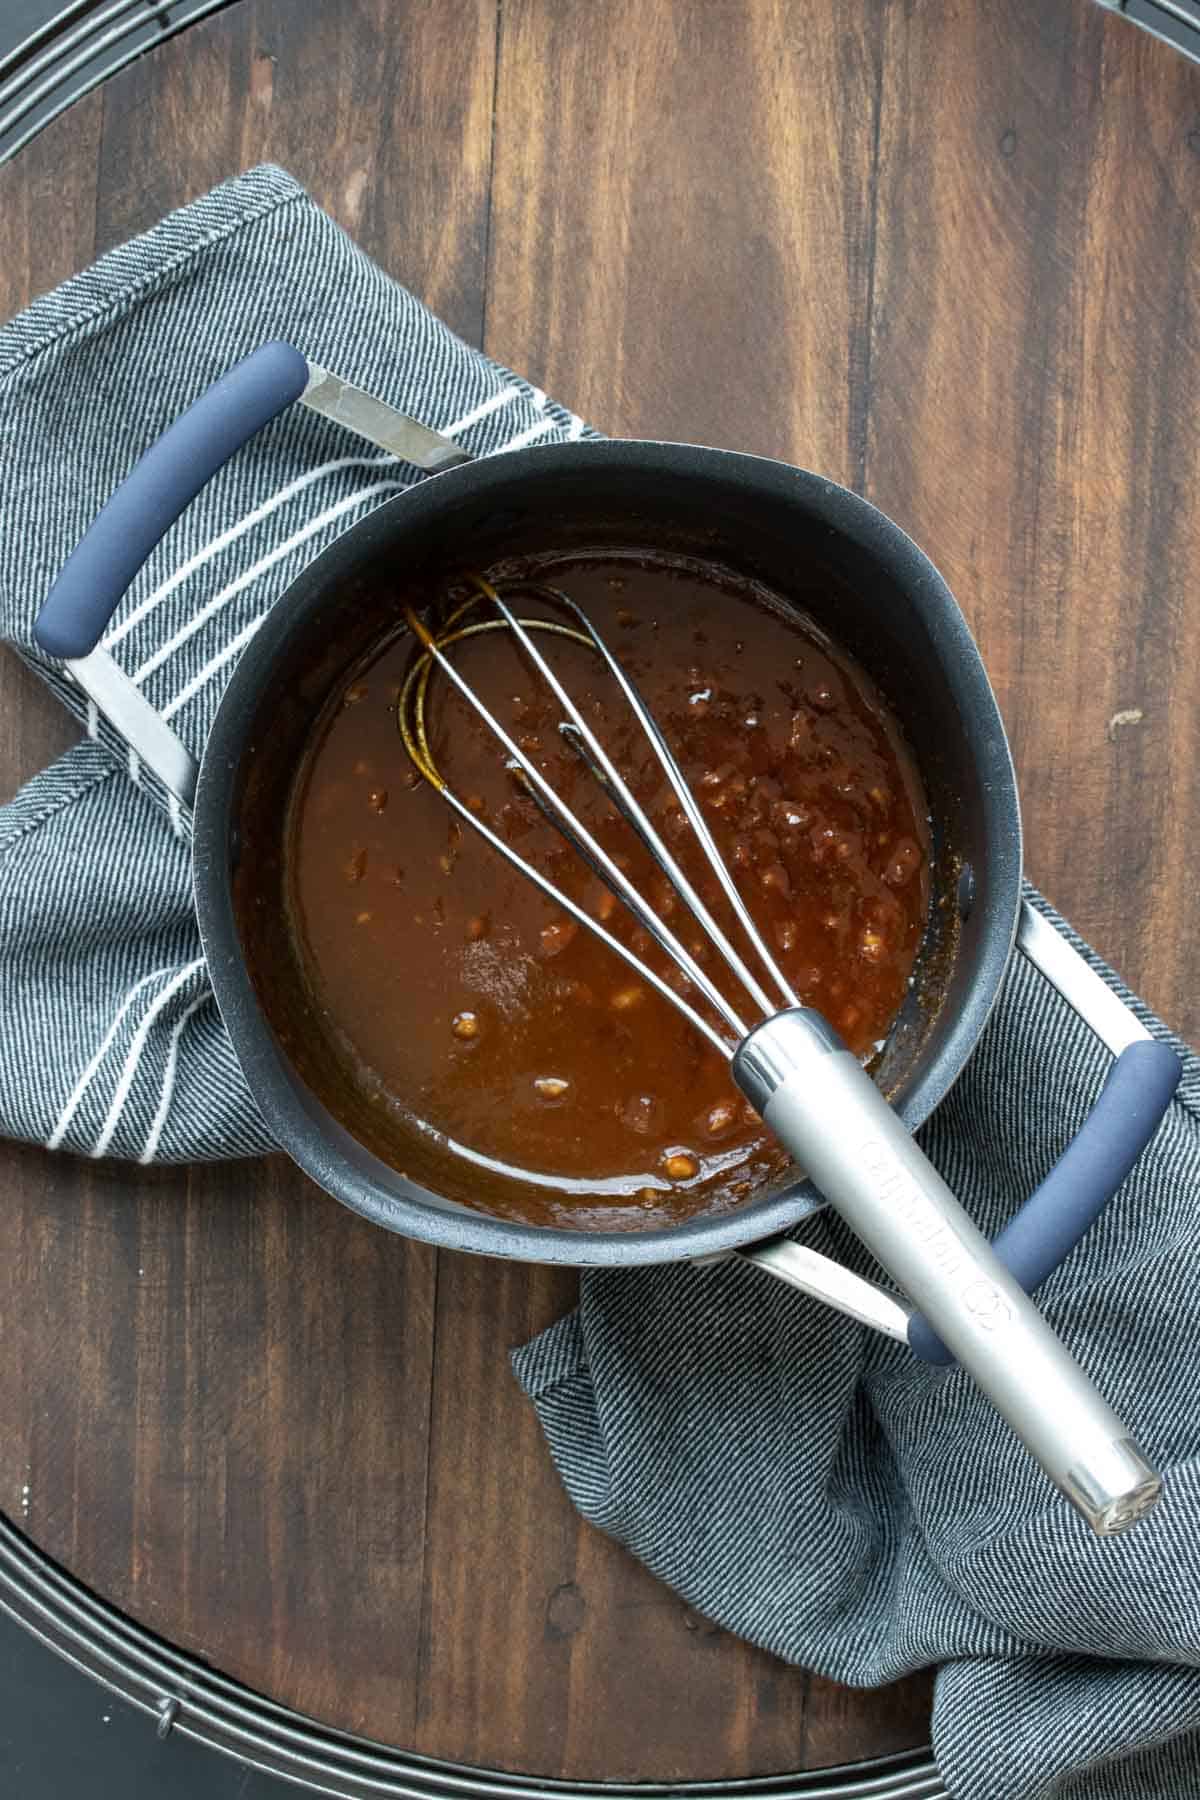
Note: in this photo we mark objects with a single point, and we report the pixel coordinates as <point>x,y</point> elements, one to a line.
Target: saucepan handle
<point>1057,1214</point>
<point>1131,1106</point>
<point>825,1109</point>
<point>169,475</point>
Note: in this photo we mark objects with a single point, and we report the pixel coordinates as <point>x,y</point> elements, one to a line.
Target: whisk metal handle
<point>828,1113</point>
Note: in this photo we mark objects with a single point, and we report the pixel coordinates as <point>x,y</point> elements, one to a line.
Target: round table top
<point>938,253</point>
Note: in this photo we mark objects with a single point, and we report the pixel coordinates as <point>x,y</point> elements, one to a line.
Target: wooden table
<point>940,251</point>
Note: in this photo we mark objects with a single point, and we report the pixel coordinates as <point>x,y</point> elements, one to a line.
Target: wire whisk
<point>575,731</point>
<point>809,1089</point>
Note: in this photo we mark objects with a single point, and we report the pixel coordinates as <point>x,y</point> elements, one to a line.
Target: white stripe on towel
<point>484,410</point>
<point>526,437</point>
<point>243,581</point>
<point>121,1093</point>
<point>213,667</point>
<point>150,1148</point>
<point>81,1086</point>
<point>231,535</point>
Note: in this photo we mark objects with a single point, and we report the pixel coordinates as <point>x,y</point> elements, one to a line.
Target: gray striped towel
<point>112,1041</point>
<point>807,1486</point>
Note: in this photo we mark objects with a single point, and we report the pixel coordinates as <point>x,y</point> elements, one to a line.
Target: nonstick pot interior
<point>814,545</point>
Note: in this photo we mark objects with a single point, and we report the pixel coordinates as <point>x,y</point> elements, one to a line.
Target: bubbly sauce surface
<point>496,1034</point>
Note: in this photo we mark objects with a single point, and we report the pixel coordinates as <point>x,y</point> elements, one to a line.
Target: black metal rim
<point>183,1694</point>
<point>73,52</point>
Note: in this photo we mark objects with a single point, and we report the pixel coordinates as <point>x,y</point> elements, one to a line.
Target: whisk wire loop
<point>411,713</point>
<point>579,733</point>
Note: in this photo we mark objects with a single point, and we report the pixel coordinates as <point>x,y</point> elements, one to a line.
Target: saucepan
<point>881,598</point>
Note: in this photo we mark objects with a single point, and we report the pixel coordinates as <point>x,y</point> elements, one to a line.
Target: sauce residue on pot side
<point>545,1079</point>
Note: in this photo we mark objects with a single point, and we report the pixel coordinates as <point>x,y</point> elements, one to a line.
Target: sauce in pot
<point>493,1033</point>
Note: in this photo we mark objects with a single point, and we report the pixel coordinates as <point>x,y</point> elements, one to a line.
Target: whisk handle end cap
<point>1114,1490</point>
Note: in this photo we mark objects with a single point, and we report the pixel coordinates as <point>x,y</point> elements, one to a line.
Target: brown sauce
<point>502,1040</point>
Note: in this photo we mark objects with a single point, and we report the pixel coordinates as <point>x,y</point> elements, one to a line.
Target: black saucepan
<point>808,540</point>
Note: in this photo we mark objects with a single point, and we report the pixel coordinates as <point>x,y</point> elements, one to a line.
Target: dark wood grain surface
<point>941,250</point>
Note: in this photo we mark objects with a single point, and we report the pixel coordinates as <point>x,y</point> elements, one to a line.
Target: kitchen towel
<point>803,1484</point>
<point>112,1044</point>
<point>814,1488</point>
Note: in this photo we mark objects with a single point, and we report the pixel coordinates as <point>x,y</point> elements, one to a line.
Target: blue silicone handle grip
<point>152,496</point>
<point>1085,1177</point>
